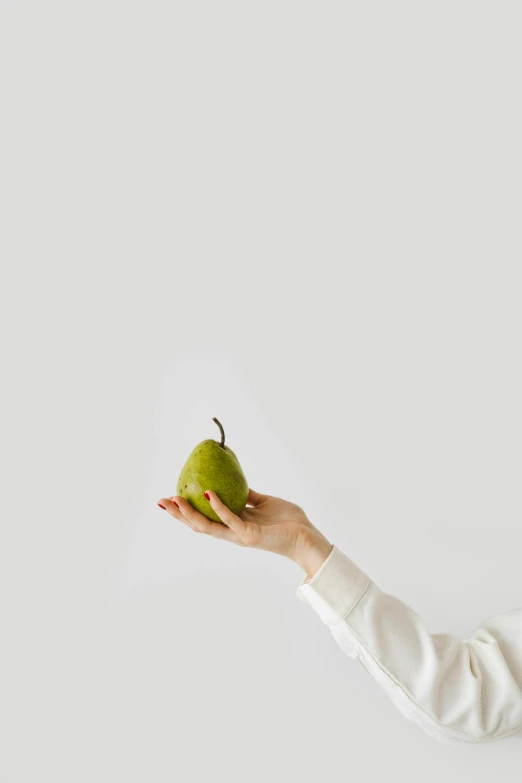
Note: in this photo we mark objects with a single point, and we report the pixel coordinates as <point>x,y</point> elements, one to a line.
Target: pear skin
<point>212,465</point>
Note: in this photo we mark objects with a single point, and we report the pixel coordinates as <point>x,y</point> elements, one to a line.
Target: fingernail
<point>163,507</point>
<point>207,495</point>
<point>175,503</point>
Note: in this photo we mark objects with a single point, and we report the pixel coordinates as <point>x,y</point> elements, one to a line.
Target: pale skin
<point>269,523</point>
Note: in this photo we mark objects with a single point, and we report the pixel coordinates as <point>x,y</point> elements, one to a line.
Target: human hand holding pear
<point>214,498</point>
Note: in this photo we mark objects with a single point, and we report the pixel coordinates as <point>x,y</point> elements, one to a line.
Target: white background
<point>304,219</point>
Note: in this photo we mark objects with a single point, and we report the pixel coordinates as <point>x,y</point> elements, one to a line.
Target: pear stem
<point>222,444</point>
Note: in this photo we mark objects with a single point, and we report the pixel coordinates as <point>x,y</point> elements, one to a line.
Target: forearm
<point>457,690</point>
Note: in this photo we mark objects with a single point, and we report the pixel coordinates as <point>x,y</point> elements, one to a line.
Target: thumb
<point>255,498</point>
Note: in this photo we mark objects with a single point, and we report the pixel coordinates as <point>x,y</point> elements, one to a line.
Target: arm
<point>463,691</point>
<point>457,691</point>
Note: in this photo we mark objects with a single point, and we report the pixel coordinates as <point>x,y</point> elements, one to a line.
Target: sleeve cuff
<point>335,589</point>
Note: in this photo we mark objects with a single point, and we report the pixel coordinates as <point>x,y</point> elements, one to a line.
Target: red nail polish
<point>163,507</point>
<point>207,495</point>
<point>175,504</point>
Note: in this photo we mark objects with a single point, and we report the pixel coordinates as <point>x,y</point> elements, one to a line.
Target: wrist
<point>311,552</point>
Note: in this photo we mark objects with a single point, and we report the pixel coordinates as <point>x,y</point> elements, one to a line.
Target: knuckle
<point>189,512</point>
<point>251,535</point>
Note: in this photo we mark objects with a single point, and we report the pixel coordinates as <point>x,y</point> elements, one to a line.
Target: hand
<point>267,522</point>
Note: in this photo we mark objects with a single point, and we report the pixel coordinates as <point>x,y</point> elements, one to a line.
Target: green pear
<point>212,465</point>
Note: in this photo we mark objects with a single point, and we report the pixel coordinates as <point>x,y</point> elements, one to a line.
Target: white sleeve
<point>457,691</point>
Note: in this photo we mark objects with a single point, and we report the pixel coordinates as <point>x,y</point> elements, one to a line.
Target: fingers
<point>204,525</point>
<point>255,498</point>
<point>181,509</point>
<point>178,515</point>
<point>242,529</point>
<point>169,505</point>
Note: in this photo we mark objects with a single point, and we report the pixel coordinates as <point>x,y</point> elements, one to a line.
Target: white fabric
<point>456,690</point>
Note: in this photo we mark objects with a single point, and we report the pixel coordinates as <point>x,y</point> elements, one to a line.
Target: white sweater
<point>457,691</point>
